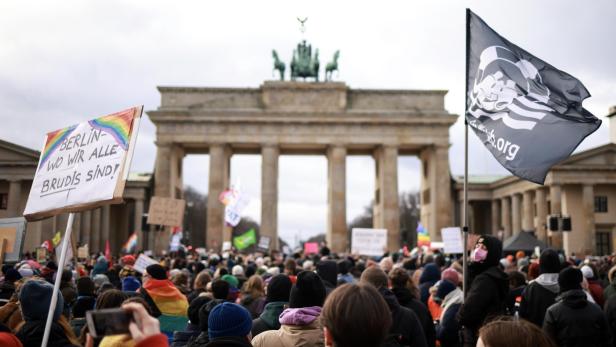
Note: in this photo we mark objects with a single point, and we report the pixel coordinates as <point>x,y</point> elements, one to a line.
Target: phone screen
<point>111,321</point>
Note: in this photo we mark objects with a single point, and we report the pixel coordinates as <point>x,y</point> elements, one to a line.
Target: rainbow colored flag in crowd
<point>131,244</point>
<point>423,238</point>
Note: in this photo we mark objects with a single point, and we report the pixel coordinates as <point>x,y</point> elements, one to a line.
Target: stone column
<point>76,234</point>
<point>86,228</point>
<point>556,208</point>
<point>269,194</point>
<point>219,181</point>
<point>527,210</point>
<point>386,211</point>
<point>96,231</point>
<point>138,220</point>
<point>105,223</point>
<point>495,216</point>
<point>516,218</point>
<point>588,220</point>
<point>162,172</point>
<point>436,204</point>
<point>14,199</point>
<point>542,213</point>
<point>506,217</point>
<point>175,172</point>
<point>337,238</point>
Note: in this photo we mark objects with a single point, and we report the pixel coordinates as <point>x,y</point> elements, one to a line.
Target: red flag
<point>47,244</point>
<point>107,251</point>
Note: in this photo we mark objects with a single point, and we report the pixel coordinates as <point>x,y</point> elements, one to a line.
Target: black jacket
<point>199,341</point>
<point>406,299</point>
<point>31,335</point>
<point>484,300</point>
<point>229,341</point>
<point>448,329</point>
<point>405,328</point>
<point>573,321</point>
<point>535,302</point>
<point>610,314</point>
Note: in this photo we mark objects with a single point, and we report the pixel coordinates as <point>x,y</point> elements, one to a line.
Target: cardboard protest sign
<point>311,248</point>
<point>13,230</point>
<point>166,211</point>
<point>84,166</point>
<point>143,261</point>
<point>264,242</point>
<point>41,255</point>
<point>452,240</point>
<point>372,242</point>
<point>83,252</point>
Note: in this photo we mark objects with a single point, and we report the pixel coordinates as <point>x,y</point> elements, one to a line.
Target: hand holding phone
<point>142,325</point>
<point>112,321</point>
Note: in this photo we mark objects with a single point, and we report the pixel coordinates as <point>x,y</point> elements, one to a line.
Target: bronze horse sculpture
<point>278,65</point>
<point>332,66</point>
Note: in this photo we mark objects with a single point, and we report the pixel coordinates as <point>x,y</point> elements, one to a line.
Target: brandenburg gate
<point>326,118</point>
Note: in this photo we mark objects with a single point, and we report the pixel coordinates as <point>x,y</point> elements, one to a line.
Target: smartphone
<point>111,321</point>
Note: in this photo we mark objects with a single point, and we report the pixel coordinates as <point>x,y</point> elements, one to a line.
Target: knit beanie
<point>444,287</point>
<point>156,271</point>
<point>232,280</point>
<point>279,288</point>
<point>587,272</point>
<point>451,275</point>
<point>549,262</point>
<point>26,272</point>
<point>128,260</point>
<point>228,319</point>
<point>569,279</point>
<point>130,284</point>
<point>308,291</point>
<point>35,298</point>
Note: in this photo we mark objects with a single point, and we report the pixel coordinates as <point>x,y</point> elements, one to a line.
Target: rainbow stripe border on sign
<point>118,125</point>
<point>54,139</point>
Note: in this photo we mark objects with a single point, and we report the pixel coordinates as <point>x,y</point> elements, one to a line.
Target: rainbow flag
<point>53,141</point>
<point>118,125</point>
<point>131,244</point>
<point>171,303</point>
<point>423,238</point>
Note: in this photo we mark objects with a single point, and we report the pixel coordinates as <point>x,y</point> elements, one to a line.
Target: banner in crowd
<point>527,113</point>
<point>452,240</point>
<point>84,165</point>
<point>175,242</point>
<point>166,211</point>
<point>235,202</point>
<point>41,255</point>
<point>311,248</point>
<point>245,240</point>
<point>423,237</point>
<point>142,262</point>
<point>264,242</point>
<point>371,242</point>
<point>13,230</point>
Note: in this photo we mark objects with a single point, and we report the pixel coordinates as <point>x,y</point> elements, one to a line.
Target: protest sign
<point>245,240</point>
<point>235,202</point>
<point>84,166</point>
<point>264,242</point>
<point>41,255</point>
<point>12,230</point>
<point>83,252</point>
<point>372,242</point>
<point>452,240</point>
<point>175,243</point>
<point>143,261</point>
<point>166,211</point>
<point>226,245</point>
<point>311,248</point>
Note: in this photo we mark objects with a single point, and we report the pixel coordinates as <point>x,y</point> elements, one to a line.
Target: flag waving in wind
<point>526,112</point>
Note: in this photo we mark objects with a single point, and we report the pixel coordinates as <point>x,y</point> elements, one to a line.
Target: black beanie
<point>308,291</point>
<point>549,262</point>
<point>569,279</point>
<point>204,313</point>
<point>194,307</point>
<point>279,288</point>
<point>157,272</point>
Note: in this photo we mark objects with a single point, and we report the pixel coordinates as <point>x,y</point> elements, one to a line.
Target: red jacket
<point>159,340</point>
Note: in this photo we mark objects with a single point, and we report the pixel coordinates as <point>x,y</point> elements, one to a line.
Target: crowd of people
<point>399,299</point>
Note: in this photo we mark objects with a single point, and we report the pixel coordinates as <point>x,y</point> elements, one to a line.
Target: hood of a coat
<point>390,299</point>
<point>300,316</point>
<point>328,271</point>
<point>575,298</point>
<point>271,312</point>
<point>403,295</point>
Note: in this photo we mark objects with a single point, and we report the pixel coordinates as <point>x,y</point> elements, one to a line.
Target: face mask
<point>479,255</point>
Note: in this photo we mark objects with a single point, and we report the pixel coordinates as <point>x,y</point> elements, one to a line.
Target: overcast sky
<point>64,62</point>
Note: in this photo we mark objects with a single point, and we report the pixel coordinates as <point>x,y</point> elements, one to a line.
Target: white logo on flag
<point>509,89</point>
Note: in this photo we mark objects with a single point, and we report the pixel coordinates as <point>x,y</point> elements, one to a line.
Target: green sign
<point>246,239</point>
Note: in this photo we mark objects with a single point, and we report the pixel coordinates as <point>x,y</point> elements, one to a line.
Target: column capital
<point>270,145</point>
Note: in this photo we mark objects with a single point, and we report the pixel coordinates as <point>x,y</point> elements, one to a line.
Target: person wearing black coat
<point>573,321</point>
<point>405,329</point>
<point>610,314</point>
<point>541,293</point>
<point>328,271</point>
<point>488,288</point>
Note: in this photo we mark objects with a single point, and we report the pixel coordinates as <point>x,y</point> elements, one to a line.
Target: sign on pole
<point>166,211</point>
<point>452,240</point>
<point>84,166</point>
<point>372,242</point>
<point>13,230</point>
<point>264,242</point>
<point>143,261</point>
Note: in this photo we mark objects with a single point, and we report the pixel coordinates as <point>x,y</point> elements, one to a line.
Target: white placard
<point>372,242</point>
<point>84,166</point>
<point>175,243</point>
<point>143,262</point>
<point>226,245</point>
<point>264,242</point>
<point>452,240</point>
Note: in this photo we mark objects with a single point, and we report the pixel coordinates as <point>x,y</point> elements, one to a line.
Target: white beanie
<point>587,272</point>
<point>237,270</point>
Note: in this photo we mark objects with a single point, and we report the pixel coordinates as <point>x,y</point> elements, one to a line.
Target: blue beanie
<point>130,284</point>
<point>35,298</point>
<point>445,287</point>
<point>228,319</point>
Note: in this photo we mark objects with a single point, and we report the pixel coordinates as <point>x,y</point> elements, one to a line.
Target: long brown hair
<point>510,332</point>
<point>254,287</point>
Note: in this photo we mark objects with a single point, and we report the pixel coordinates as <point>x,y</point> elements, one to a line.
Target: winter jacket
<point>429,276</point>
<point>199,341</point>
<point>181,338</point>
<point>229,341</point>
<point>406,299</point>
<point>268,320</point>
<point>485,300</point>
<point>6,290</point>
<point>595,289</point>
<point>610,314</point>
<point>447,331</point>
<point>159,340</point>
<point>609,291</point>
<point>299,327</point>
<point>573,321</point>
<point>538,296</point>
<point>31,335</point>
<point>252,304</point>
<point>405,328</point>
<point>328,271</point>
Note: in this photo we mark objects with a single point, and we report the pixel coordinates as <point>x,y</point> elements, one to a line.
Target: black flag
<point>527,113</point>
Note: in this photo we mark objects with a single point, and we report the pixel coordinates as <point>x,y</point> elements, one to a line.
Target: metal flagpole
<point>56,286</point>
<point>465,205</point>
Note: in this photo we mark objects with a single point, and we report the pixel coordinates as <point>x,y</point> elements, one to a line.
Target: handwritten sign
<point>166,211</point>
<point>264,242</point>
<point>84,166</point>
<point>143,261</point>
<point>41,255</point>
<point>452,240</point>
<point>372,242</point>
<point>83,252</point>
